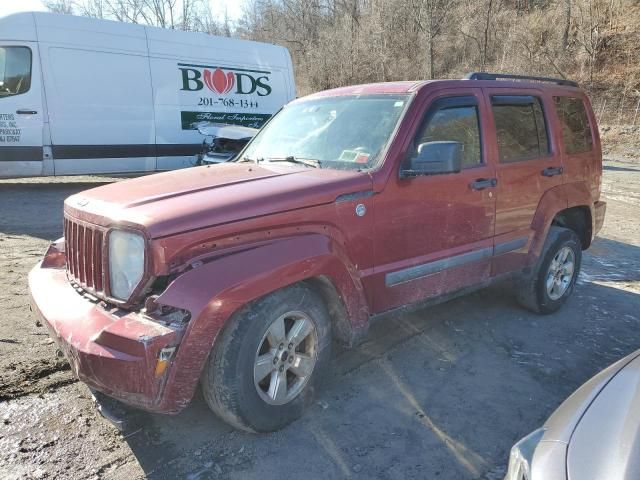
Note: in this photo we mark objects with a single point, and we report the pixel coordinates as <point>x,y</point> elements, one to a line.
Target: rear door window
<point>520,127</point>
<point>576,130</point>
<point>15,71</point>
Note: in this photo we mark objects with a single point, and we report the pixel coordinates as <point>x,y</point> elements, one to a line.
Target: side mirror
<point>433,158</point>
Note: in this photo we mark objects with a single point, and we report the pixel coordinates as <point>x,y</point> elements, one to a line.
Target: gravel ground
<point>442,393</point>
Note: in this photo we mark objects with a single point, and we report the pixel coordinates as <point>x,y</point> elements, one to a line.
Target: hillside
<point>595,42</point>
<point>342,42</point>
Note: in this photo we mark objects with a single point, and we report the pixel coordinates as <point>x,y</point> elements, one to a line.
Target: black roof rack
<point>497,76</point>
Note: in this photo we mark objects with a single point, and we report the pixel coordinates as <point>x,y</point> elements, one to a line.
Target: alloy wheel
<point>285,358</point>
<point>560,274</point>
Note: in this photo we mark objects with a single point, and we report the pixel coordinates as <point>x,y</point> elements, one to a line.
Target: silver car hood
<point>562,423</point>
<point>606,441</point>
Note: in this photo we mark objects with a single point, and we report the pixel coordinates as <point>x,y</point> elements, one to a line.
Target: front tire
<point>553,278</point>
<point>268,362</point>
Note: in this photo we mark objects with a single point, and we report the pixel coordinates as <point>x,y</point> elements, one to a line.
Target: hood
<point>173,202</point>
<point>562,423</point>
<point>606,442</point>
<point>221,130</point>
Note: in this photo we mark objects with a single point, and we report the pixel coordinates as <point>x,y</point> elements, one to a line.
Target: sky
<point>234,7</point>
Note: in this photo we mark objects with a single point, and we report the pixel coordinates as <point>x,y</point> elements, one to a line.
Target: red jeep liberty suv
<point>348,205</point>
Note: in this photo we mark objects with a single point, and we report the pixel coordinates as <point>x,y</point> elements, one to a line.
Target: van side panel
<point>102,117</point>
<point>200,78</point>
<point>289,70</point>
<point>18,27</point>
<point>20,133</point>
<point>98,87</point>
<point>124,98</point>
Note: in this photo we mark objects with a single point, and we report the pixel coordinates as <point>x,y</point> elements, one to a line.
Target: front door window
<point>15,71</point>
<point>458,124</point>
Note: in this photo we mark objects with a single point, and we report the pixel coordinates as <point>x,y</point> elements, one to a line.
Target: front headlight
<point>126,262</point>
<point>522,455</point>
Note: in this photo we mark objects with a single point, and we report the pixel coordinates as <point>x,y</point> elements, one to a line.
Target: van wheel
<point>265,368</point>
<point>550,284</point>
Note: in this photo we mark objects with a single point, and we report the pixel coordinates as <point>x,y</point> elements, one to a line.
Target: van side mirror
<point>433,158</point>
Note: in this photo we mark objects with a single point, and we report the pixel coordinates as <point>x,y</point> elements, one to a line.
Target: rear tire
<point>256,379</point>
<point>554,276</point>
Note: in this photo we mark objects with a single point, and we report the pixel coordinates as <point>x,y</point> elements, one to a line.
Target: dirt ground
<point>620,142</point>
<point>442,393</point>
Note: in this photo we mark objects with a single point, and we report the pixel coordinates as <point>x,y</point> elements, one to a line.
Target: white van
<point>80,95</point>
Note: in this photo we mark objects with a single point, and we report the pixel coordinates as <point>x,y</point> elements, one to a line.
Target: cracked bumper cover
<point>114,352</point>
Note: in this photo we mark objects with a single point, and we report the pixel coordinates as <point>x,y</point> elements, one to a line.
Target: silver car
<point>593,435</point>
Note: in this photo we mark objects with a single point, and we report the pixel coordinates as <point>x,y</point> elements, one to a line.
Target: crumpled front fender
<point>213,291</point>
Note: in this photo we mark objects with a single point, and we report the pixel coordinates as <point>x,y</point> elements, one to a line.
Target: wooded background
<point>343,42</point>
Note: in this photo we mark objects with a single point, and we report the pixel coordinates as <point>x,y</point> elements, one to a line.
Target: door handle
<point>26,112</point>
<point>482,183</point>
<point>551,171</point>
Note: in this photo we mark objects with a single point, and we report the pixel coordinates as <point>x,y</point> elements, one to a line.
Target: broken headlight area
<point>171,317</point>
<point>167,315</point>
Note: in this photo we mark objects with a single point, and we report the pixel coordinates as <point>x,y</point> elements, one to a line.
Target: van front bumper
<point>113,351</point>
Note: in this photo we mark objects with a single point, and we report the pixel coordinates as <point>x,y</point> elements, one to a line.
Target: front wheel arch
<point>213,298</point>
<point>344,330</point>
<point>227,380</point>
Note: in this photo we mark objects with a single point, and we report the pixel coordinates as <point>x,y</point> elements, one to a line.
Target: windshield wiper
<point>309,162</point>
<point>247,159</point>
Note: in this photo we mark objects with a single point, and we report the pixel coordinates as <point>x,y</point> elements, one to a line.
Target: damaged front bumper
<point>113,351</point>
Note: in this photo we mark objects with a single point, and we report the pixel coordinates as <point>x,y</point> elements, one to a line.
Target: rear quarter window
<point>576,130</point>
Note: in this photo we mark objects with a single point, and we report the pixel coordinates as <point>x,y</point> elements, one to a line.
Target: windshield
<point>348,132</point>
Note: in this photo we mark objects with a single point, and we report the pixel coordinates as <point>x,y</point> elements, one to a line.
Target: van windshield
<point>346,132</point>
<point>15,70</point>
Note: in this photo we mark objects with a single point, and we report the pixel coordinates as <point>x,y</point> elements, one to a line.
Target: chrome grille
<point>83,247</point>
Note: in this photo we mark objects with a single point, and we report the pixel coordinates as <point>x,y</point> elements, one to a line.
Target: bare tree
<point>342,42</point>
<point>592,19</point>
<point>485,44</point>
<point>93,8</point>
<point>567,24</point>
<point>430,17</point>
<point>161,13</point>
<point>124,10</point>
<point>59,6</point>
